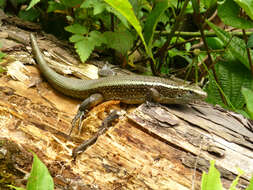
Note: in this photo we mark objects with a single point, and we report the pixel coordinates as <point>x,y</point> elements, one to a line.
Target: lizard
<point>129,89</point>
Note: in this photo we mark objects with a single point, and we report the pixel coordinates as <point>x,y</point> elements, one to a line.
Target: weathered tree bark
<point>150,147</point>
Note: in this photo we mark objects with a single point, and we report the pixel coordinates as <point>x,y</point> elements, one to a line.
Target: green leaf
<point>2,55</point>
<point>235,182</point>
<point>71,3</point>
<point>209,3</point>
<point>195,6</point>
<point>2,4</point>
<point>97,5</point>
<point>87,45</point>
<point>152,20</point>
<point>248,95</point>
<point>77,29</point>
<point>250,41</point>
<point>211,180</point>
<point>16,188</point>
<point>40,178</point>
<point>117,14</point>
<point>174,52</point>
<point>250,187</point>
<point>32,3</point>
<point>243,112</point>
<point>126,9</point>
<point>52,6</point>
<point>236,46</point>
<point>89,3</point>
<point>121,41</point>
<point>29,15</point>
<point>76,38</point>
<point>214,43</point>
<point>229,12</point>
<point>2,69</point>
<point>232,77</point>
<point>247,6</point>
<point>84,49</point>
<point>97,38</point>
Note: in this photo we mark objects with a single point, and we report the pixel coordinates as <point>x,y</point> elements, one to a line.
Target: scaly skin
<point>130,89</point>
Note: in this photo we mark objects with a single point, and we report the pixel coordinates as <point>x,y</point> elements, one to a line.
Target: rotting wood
<point>199,135</point>
<point>153,147</point>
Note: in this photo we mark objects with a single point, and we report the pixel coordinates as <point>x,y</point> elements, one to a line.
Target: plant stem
<point>200,19</point>
<point>163,50</point>
<point>248,50</point>
<point>112,22</point>
<point>198,34</point>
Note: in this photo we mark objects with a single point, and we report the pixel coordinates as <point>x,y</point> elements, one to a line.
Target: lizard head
<point>180,94</point>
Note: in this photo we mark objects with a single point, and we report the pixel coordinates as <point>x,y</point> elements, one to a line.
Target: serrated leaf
<point>211,180</point>
<point>229,12</point>
<point>152,20</point>
<point>32,3</point>
<point>76,38</point>
<point>248,95</point>
<point>40,178</point>
<point>85,47</point>
<point>77,29</point>
<point>121,41</point>
<point>250,41</point>
<point>235,45</point>
<point>97,5</point>
<point>97,38</point>
<point>247,6</point>
<point>232,77</point>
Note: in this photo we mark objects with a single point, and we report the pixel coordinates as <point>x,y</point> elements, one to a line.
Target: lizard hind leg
<point>154,95</point>
<point>106,71</point>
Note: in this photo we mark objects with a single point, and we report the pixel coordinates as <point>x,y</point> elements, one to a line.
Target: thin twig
<point>210,59</point>
<point>162,51</point>
<point>197,34</point>
<point>248,50</point>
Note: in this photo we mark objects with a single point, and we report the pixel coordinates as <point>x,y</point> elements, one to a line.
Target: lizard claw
<point>78,117</point>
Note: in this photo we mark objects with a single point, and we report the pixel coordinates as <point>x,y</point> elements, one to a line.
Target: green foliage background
<point>173,38</point>
<point>163,32</point>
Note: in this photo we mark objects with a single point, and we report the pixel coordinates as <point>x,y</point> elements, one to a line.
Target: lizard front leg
<point>85,106</point>
<point>91,101</point>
